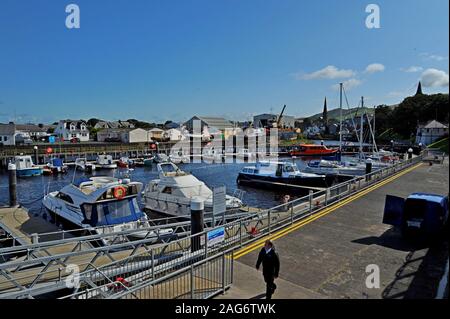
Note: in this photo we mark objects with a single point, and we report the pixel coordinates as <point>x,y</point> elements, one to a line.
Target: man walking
<point>271,267</point>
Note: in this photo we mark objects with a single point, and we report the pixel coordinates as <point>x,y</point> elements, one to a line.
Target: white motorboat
<point>179,157</point>
<point>271,174</point>
<point>100,205</point>
<point>171,194</point>
<point>105,161</point>
<point>84,165</point>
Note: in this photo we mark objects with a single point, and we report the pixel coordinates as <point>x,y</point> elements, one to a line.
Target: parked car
<point>75,140</point>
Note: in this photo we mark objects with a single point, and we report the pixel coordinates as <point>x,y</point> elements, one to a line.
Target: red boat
<point>313,150</point>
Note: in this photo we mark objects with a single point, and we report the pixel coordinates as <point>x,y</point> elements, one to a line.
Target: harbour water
<point>30,191</point>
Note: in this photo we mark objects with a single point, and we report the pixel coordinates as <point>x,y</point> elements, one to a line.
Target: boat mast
<point>340,117</point>
<point>361,136</point>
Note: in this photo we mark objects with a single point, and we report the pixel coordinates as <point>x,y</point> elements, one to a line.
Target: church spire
<point>419,89</point>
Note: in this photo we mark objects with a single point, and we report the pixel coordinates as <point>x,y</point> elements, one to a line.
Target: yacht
<point>276,173</point>
<point>334,168</point>
<point>171,194</point>
<point>25,166</point>
<point>105,161</point>
<point>100,205</point>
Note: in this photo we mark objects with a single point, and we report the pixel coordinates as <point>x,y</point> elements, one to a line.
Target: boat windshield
<point>112,212</point>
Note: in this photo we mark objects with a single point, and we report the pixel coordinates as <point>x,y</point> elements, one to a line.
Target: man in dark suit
<point>271,267</point>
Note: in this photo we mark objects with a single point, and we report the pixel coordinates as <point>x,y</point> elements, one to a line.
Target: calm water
<point>31,190</point>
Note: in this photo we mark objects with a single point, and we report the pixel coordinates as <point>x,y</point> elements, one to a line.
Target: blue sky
<point>156,60</point>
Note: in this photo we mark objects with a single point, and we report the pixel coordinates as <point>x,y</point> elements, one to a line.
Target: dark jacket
<point>270,262</point>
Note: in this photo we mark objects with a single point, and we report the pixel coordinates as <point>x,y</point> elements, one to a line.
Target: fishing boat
<point>105,161</point>
<point>313,150</point>
<point>171,194</point>
<point>56,166</point>
<point>100,205</point>
<point>25,166</point>
<point>125,162</point>
<point>276,173</point>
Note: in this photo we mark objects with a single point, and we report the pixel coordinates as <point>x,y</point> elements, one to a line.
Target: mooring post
<point>197,214</point>
<point>36,155</point>
<point>368,169</point>
<point>12,185</point>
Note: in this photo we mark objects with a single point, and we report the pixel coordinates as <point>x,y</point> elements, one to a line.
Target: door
<point>393,210</point>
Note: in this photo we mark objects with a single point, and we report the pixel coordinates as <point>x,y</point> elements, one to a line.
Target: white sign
<point>219,200</point>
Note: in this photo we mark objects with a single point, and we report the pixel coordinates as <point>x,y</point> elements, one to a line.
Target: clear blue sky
<point>156,60</point>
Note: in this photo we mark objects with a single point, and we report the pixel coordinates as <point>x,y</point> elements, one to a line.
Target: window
<point>65,197</point>
<point>5,138</point>
<point>119,209</point>
<point>167,190</point>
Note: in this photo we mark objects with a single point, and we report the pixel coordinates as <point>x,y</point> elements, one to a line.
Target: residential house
<point>31,131</point>
<point>174,134</point>
<point>156,134</point>
<point>70,129</point>
<point>123,135</point>
<point>7,134</point>
<point>430,132</point>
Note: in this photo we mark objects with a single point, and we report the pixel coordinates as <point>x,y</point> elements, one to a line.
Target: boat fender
<point>120,192</point>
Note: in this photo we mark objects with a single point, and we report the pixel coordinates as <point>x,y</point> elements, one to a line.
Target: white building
<point>68,130</point>
<point>156,134</point>
<point>429,133</point>
<point>174,134</point>
<point>7,134</point>
<point>137,135</point>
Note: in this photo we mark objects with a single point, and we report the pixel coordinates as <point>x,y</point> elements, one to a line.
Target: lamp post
<point>392,146</point>
<point>36,156</point>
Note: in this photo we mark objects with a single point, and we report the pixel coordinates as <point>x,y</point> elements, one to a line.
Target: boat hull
<point>29,172</point>
<point>282,182</point>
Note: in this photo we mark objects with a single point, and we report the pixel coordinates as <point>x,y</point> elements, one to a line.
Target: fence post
<point>310,201</point>
<point>153,264</point>
<point>240,233</point>
<point>268,217</point>
<point>192,281</point>
<point>197,207</point>
<point>292,213</point>
<point>12,185</point>
<point>223,272</point>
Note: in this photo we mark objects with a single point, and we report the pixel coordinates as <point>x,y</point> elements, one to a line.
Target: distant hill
<point>346,113</point>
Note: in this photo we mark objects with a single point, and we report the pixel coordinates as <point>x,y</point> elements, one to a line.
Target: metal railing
<point>142,263</point>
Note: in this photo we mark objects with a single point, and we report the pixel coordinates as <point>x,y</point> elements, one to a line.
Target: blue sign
<point>216,236</point>
<point>51,139</point>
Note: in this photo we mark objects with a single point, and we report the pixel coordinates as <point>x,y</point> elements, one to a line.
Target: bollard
<point>368,169</point>
<point>12,185</point>
<point>410,153</point>
<point>36,155</point>
<point>197,212</point>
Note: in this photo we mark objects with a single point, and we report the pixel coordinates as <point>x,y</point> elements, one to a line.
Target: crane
<point>280,116</point>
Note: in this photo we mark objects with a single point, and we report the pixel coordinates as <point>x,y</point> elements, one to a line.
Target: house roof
<point>29,128</point>
<point>435,124</point>
<point>7,129</point>
<point>155,129</point>
<point>215,122</point>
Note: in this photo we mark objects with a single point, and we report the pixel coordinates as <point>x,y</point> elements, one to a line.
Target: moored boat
<point>25,166</point>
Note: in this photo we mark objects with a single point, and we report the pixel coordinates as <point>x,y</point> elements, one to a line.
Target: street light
<point>392,145</point>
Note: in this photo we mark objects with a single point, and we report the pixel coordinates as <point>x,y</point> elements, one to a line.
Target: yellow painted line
<point>326,211</point>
